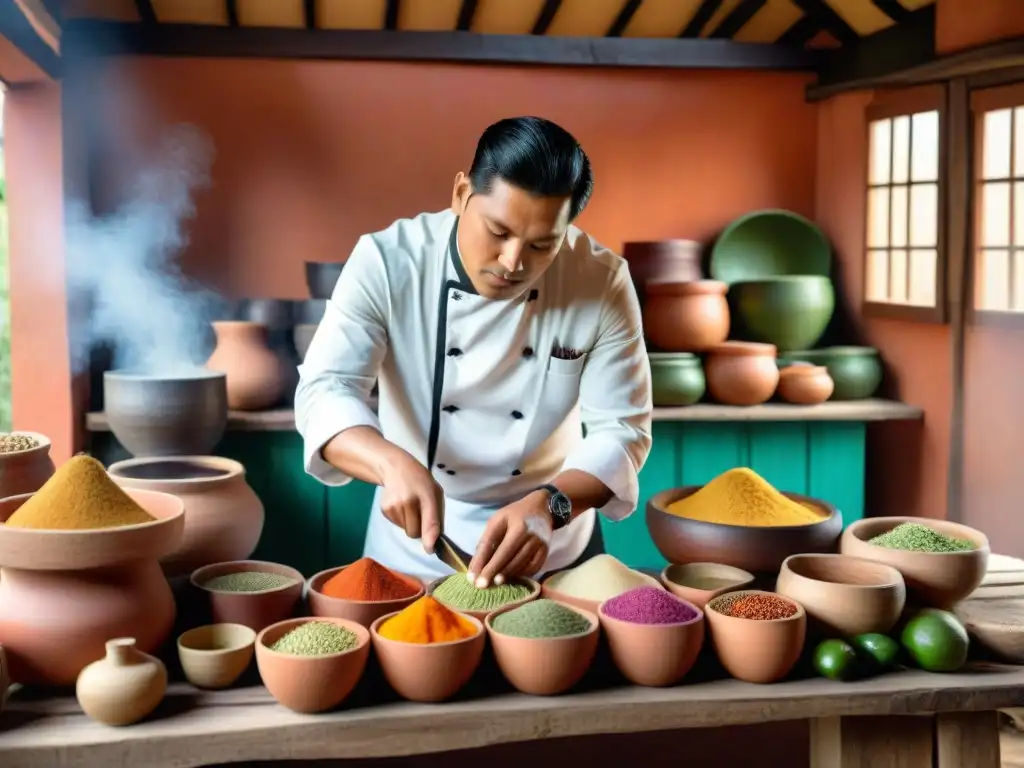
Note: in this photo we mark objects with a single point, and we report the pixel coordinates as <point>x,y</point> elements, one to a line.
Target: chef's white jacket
<point>470,387</point>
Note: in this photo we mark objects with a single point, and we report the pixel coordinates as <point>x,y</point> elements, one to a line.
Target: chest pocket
<point>562,386</point>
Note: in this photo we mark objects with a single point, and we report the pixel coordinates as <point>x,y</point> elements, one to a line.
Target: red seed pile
<point>755,606</point>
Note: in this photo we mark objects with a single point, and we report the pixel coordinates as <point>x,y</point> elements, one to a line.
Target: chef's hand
<point>515,542</point>
<point>412,500</point>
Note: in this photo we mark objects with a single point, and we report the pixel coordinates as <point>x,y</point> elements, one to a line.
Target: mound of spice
<point>759,607</point>
<point>914,537</point>
<point>79,496</point>
<point>541,618</point>
<point>427,621</point>
<point>316,638</point>
<point>649,605</point>
<point>248,581</point>
<point>600,578</point>
<point>742,497</point>
<point>457,592</point>
<point>13,442</point>
<point>368,580</point>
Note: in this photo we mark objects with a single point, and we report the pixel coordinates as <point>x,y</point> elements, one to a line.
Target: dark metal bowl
<point>321,277</point>
<point>310,311</point>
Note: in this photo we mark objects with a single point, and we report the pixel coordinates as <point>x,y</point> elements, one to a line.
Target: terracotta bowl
<point>544,666</point>
<point>654,654</point>
<point>34,549</point>
<point>481,615</point>
<point>311,683</point>
<point>215,655</point>
<point>699,582</point>
<point>681,540</point>
<point>685,315</point>
<point>938,579</point>
<point>741,372</point>
<point>432,671</point>
<point>581,602</point>
<point>363,612</point>
<point>256,610</point>
<point>805,384</point>
<point>757,651</point>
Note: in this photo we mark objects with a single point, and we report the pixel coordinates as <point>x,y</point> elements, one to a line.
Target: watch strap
<point>556,498</point>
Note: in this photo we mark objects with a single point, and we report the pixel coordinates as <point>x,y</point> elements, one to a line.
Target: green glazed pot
<point>677,378</point>
<point>790,312</point>
<point>856,371</point>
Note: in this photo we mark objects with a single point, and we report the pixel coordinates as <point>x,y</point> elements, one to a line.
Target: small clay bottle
<point>124,686</point>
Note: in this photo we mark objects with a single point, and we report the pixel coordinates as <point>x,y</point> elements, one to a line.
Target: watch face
<point>561,507</point>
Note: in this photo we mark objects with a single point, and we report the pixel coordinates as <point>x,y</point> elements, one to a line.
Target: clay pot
<point>678,260</point>
<point>698,583</point>
<point>124,686</point>
<point>256,377</point>
<point>481,615</point>
<point>789,311</point>
<point>322,276</point>
<point>757,651</point>
<point>63,594</point>
<point>303,335</point>
<point>582,603</point>
<point>654,654</point>
<point>686,316</point>
<point>256,610</point>
<point>26,471</point>
<point>677,378</point>
<point>223,515</point>
<point>844,595</point>
<point>363,612</point>
<point>741,373</point>
<point>856,371</point>
<point>215,656</point>
<point>805,384</point>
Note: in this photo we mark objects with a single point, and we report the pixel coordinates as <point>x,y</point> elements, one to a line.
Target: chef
<point>499,334</point>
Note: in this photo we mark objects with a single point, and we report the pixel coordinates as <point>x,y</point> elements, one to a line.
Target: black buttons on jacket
<point>516,415</point>
<point>441,466</point>
<point>516,473</point>
<point>454,352</point>
<point>450,471</point>
<point>534,293</point>
<point>450,408</point>
<point>527,352</point>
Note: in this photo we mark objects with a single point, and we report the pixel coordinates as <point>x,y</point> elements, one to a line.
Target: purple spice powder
<point>648,605</point>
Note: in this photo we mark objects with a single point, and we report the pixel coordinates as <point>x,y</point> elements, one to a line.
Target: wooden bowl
<point>363,612</point>
<point>311,683</point>
<point>935,579</point>
<point>481,615</point>
<point>756,651</point>
<point>215,655</point>
<point>699,582</point>
<point>256,610</point>
<point>681,540</point>
<point>428,671</point>
<point>844,595</point>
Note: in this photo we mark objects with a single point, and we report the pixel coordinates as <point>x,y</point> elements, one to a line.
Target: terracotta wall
<point>963,24</point>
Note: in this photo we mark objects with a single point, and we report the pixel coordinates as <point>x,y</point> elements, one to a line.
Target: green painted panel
<point>348,510</point>
<point>779,453</point>
<point>836,472</point>
<point>711,448</point>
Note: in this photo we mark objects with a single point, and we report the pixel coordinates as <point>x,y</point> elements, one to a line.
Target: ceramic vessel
<point>583,603</point>
<point>322,276</point>
<point>741,373</point>
<point>481,615</point>
<point>124,686</point>
<point>757,651</point>
<point>64,593</point>
<point>697,583</point>
<point>938,580</point>
<point>428,671</point>
<point>677,378</point>
<point>844,596</point>
<point>310,311</point>
<point>789,311</point>
<point>303,335</point>
<point>654,654</point>
<point>256,377</point>
<point>256,610</point>
<point>805,384</point>
<point>215,655</point>
<point>175,414</point>
<point>223,515</point>
<point>544,666</point>
<point>759,550</point>
<point>678,260</point>
<point>769,243</point>
<point>26,471</point>
<point>363,612</point>
<point>280,318</point>
<point>311,684</point>
<point>686,316</point>
<point>856,371</point>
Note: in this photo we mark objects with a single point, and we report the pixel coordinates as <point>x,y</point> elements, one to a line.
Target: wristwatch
<point>559,506</point>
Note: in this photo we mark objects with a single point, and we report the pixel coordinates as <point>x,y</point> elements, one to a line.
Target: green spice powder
<point>316,638</point>
<point>914,537</point>
<point>541,618</point>
<point>457,592</point>
<point>248,581</point>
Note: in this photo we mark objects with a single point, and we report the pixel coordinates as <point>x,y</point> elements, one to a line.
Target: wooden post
<point>967,738</point>
<point>894,741</point>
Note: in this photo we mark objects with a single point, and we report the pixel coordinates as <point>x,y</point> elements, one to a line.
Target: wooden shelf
<point>283,420</point>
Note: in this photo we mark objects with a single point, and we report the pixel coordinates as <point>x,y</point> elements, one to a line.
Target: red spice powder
<point>368,580</point>
<point>758,607</point>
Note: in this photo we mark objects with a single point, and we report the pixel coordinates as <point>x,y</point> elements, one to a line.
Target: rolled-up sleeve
<point>615,400</point>
<point>341,364</point>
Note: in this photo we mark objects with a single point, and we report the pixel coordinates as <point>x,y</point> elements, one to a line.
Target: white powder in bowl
<point>600,578</point>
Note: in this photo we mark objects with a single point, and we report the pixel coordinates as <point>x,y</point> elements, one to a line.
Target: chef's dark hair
<point>535,155</point>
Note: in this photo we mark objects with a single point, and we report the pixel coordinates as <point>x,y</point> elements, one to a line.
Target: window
<point>903,268</point>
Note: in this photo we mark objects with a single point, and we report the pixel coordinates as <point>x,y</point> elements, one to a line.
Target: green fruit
<point>836,660</point>
<point>882,648</point>
<point>936,641</point>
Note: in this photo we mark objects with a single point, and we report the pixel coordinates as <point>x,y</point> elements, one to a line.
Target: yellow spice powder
<point>742,497</point>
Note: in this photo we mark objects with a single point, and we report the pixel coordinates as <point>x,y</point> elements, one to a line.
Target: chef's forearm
<point>583,489</point>
<point>363,453</point>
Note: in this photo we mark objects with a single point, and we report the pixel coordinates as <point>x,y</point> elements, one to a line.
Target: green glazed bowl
<point>677,378</point>
<point>790,312</point>
<point>856,371</point>
<point>768,244</point>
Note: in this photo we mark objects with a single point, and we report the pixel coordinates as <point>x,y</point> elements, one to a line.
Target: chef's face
<point>507,237</point>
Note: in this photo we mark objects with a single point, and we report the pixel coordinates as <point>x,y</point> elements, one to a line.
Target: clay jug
<point>26,471</point>
<point>256,377</point>
<point>124,686</point>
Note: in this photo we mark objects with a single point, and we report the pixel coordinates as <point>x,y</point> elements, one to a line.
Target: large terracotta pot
<point>742,373</point>
<point>686,316</point>
<point>662,259</point>
<point>256,377</point>
<point>65,593</point>
<point>26,471</point>
<point>223,515</point>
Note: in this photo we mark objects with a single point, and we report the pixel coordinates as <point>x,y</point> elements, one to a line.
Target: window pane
<point>924,147</point>
<point>1018,141</point>
<point>923,277</point>
<point>898,273</point>
<point>878,217</point>
<point>993,280</point>
<point>1018,281</point>
<point>924,215</point>
<point>877,282</point>
<point>900,148</point>
<point>996,144</point>
<point>1018,212</point>
<point>898,212</point>
<point>995,214</point>
<point>878,166</point>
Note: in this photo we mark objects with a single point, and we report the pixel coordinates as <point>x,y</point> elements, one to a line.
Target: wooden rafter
<point>309,13</point>
<point>466,13</point>
<point>391,14</point>
<point>700,18</point>
<point>231,7</point>
<point>894,9</point>
<point>546,16</point>
<point>738,19</point>
<point>146,12</point>
<point>800,34</point>
<point>828,20</point>
<point>625,16</point>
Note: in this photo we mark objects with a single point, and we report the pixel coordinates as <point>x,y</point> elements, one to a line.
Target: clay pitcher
<point>124,686</point>
<point>26,471</point>
<point>256,377</point>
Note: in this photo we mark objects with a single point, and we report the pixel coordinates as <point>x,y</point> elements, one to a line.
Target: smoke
<point>124,280</point>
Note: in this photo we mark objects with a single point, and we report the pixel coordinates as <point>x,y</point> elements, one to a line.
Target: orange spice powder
<point>368,580</point>
<point>427,621</point>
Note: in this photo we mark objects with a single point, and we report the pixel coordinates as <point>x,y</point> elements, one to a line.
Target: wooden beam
<point>22,35</point>
<point>231,6</point>
<point>800,34</point>
<point>146,12</point>
<point>391,14</point>
<point>894,9</point>
<point>738,19</point>
<point>466,14</point>
<point>828,19</point>
<point>546,16</point>
<point>625,16</point>
<point>309,13</point>
<point>700,18</point>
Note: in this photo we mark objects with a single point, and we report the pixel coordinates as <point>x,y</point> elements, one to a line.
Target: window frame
<point>887,104</point>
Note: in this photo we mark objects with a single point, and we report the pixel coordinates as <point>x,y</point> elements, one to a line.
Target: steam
<point>123,277</point>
